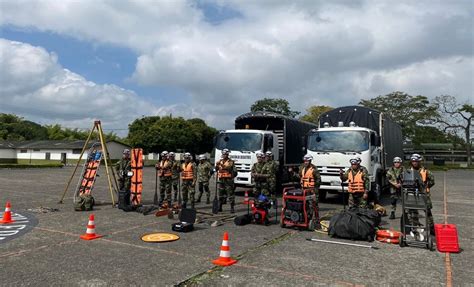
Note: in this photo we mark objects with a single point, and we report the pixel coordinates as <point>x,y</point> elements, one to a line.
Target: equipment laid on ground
<point>342,243</point>
<point>260,210</point>
<point>447,238</point>
<point>299,208</point>
<point>414,200</point>
<point>388,236</point>
<point>187,217</point>
<point>160,237</point>
<point>104,153</point>
<point>137,177</point>
<point>355,223</point>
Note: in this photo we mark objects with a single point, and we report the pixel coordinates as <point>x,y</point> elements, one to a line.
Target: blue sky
<point>212,59</point>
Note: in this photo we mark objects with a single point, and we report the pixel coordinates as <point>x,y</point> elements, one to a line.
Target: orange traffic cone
<point>90,232</point>
<point>246,198</point>
<point>7,215</point>
<point>224,257</point>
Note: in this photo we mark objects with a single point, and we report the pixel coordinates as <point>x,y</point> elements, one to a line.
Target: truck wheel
<point>322,195</point>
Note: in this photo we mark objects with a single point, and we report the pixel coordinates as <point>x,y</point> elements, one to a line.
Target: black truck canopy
<point>290,132</point>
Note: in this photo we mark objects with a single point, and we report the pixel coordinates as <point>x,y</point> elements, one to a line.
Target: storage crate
<point>447,238</point>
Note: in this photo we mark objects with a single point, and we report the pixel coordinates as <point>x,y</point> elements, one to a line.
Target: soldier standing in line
<point>204,173</point>
<point>123,167</point>
<point>165,174</point>
<point>226,171</point>
<point>393,175</point>
<point>260,179</point>
<point>358,184</point>
<point>175,176</point>
<point>188,179</point>
<point>272,167</point>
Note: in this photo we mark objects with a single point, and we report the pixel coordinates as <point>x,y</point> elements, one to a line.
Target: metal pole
<point>104,149</point>
<point>77,164</point>
<point>342,243</point>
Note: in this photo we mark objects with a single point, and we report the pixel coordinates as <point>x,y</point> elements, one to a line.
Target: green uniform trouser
<point>188,190</point>
<point>414,215</point>
<point>226,190</point>
<point>174,185</point>
<point>260,187</point>
<point>394,196</point>
<point>125,183</point>
<point>165,187</point>
<point>204,186</point>
<point>356,200</point>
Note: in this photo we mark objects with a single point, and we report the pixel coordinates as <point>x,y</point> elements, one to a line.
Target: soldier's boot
<point>208,199</point>
<point>220,206</point>
<point>232,208</point>
<point>392,214</point>
<point>199,198</point>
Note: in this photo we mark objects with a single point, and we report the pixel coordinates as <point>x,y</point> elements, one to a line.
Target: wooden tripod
<point>97,126</point>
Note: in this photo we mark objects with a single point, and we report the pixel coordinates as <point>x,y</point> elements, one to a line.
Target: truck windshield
<point>239,141</point>
<point>342,141</point>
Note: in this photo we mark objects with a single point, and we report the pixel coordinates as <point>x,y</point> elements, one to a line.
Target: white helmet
<point>415,157</point>
<point>202,157</point>
<point>225,151</point>
<point>354,161</point>
<point>397,159</point>
<point>171,154</point>
<point>268,153</point>
<point>164,153</point>
<point>259,154</point>
<point>308,157</point>
<point>126,151</point>
<point>187,155</point>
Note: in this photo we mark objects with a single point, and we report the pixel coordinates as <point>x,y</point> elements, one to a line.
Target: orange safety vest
<point>356,183</point>
<point>308,177</point>
<point>165,170</point>
<point>188,172</point>
<point>224,173</point>
<point>424,177</point>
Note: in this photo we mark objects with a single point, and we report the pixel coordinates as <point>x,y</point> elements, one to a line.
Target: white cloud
<point>309,52</point>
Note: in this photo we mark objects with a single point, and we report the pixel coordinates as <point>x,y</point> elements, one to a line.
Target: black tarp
<point>369,118</point>
<point>294,131</point>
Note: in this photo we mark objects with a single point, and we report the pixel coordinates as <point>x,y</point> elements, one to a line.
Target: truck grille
<point>243,167</point>
<point>330,170</point>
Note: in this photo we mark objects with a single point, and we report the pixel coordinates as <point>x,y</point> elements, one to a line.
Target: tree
<point>455,117</point>
<point>155,134</point>
<point>408,111</point>
<point>56,132</point>
<point>313,113</point>
<point>280,106</point>
<point>16,128</point>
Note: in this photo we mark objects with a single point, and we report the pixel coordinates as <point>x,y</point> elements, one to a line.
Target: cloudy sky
<point>70,62</point>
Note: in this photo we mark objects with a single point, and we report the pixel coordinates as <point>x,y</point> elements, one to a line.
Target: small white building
<point>61,151</point>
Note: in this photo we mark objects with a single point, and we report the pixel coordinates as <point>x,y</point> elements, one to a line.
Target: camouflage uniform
<point>356,199</point>
<point>165,174</point>
<point>272,167</point>
<point>393,177</point>
<point>260,179</point>
<point>226,184</point>
<point>175,178</point>
<point>204,172</point>
<point>187,185</point>
<point>316,177</point>
<point>426,185</point>
<point>122,168</point>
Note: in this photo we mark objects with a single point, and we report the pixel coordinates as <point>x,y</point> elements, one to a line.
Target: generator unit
<point>299,209</point>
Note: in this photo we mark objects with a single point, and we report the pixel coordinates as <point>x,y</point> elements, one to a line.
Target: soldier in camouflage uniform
<point>428,181</point>
<point>188,179</point>
<point>393,176</point>
<point>259,176</point>
<point>164,172</point>
<point>226,171</point>
<point>359,184</point>
<point>122,168</point>
<point>204,173</point>
<point>272,167</point>
<point>175,176</point>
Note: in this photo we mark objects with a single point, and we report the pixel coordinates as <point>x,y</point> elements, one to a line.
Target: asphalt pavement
<point>50,253</point>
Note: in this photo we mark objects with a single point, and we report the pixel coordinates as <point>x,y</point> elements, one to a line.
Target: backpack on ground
<point>85,202</point>
<point>355,223</point>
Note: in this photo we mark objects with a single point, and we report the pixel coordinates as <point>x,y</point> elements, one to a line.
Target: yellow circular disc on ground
<point>160,237</point>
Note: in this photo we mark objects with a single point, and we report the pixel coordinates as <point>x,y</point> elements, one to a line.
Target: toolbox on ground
<point>187,217</point>
<point>447,238</point>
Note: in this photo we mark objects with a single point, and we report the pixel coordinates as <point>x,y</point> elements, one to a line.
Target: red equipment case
<point>447,238</point>
<point>299,208</point>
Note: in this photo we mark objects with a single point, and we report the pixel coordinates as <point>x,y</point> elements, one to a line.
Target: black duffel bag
<point>355,223</point>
